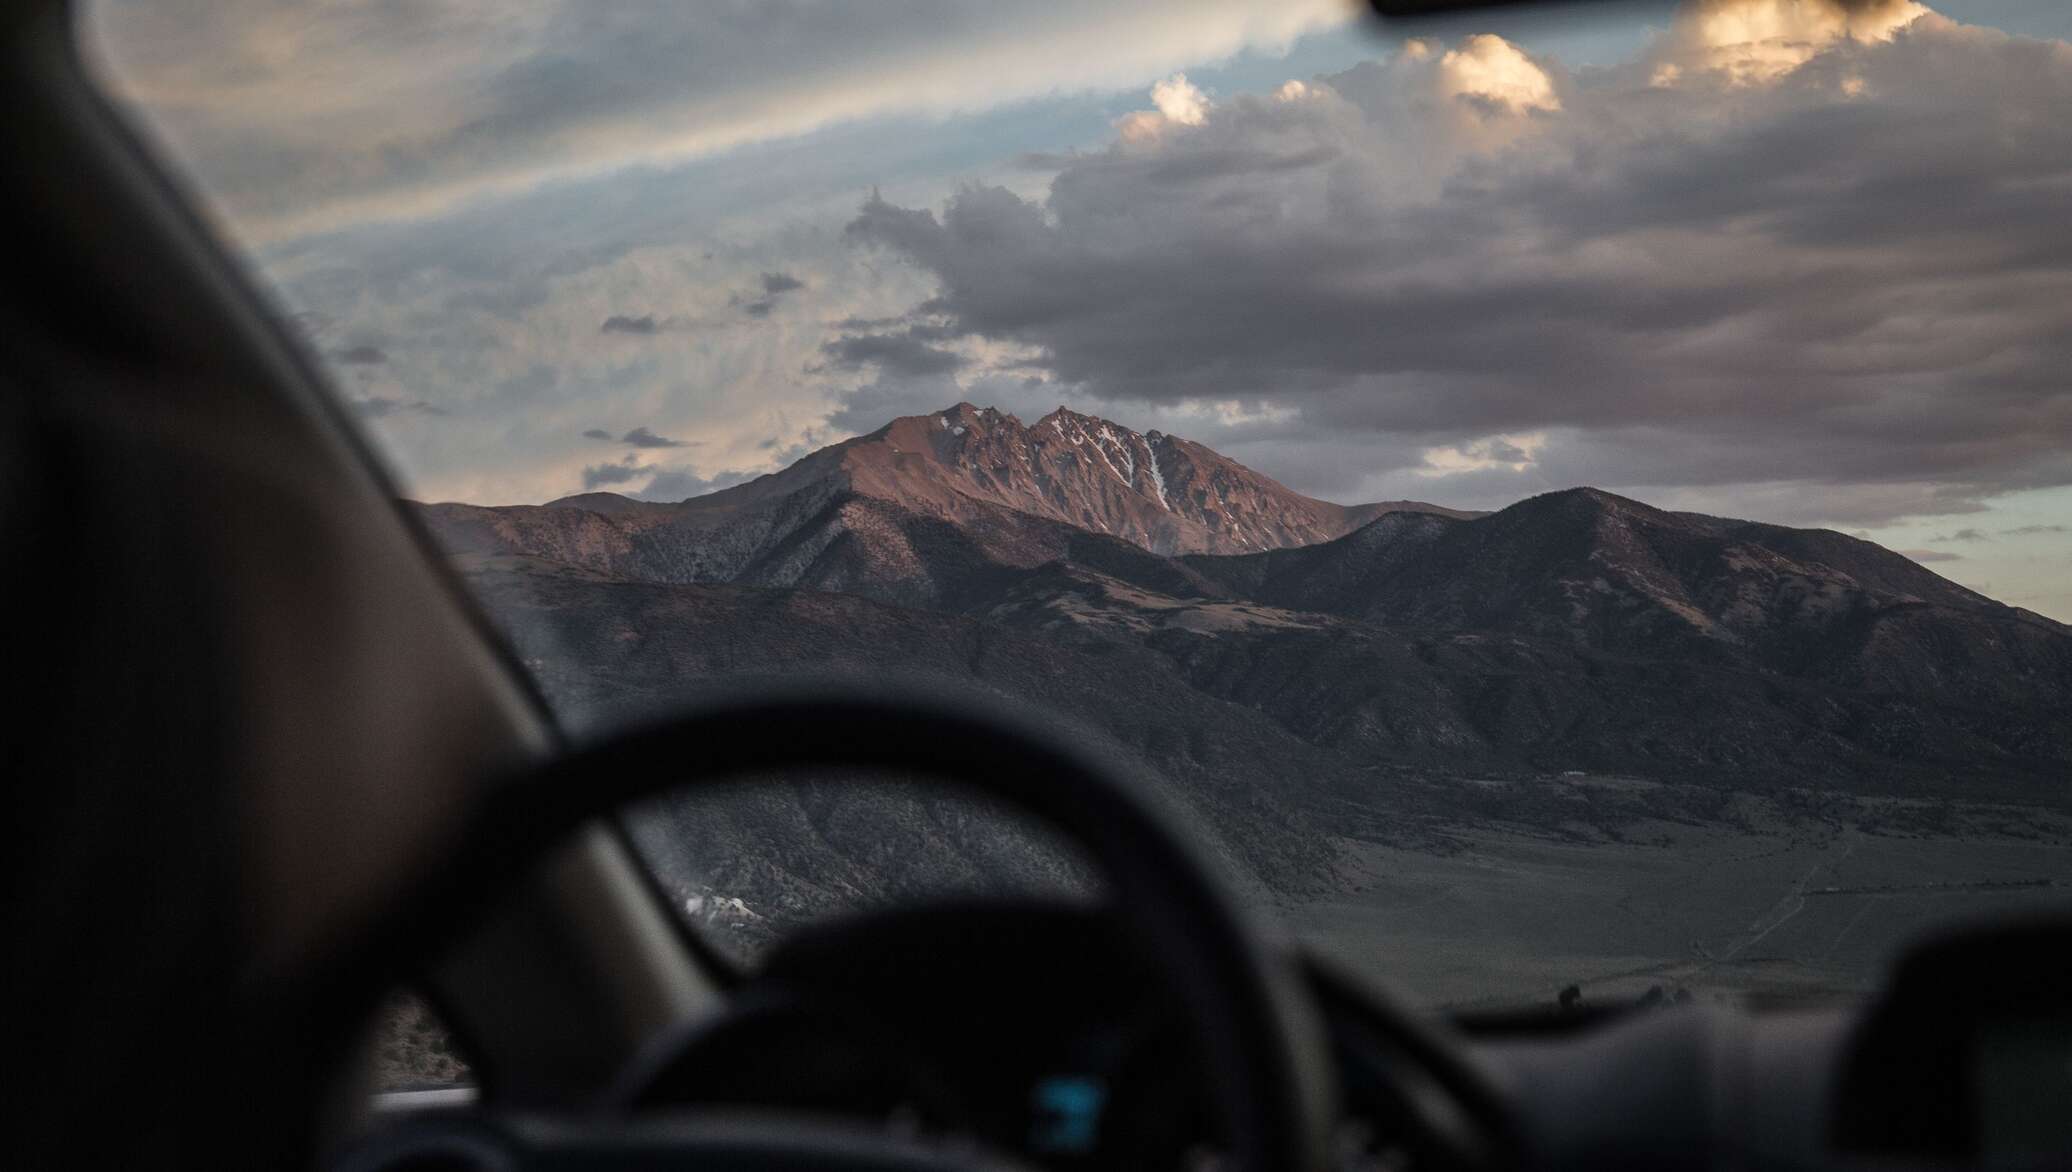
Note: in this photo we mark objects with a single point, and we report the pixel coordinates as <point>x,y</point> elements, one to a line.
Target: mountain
<point>1166,494</point>
<point>1587,560</point>
<point>969,511</point>
<point>609,652</point>
<point>1283,733</point>
<point>926,509</point>
<point>1601,571</point>
<point>1582,624</point>
<point>1371,682</point>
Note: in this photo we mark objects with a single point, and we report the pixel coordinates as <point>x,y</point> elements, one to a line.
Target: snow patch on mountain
<point>1158,486</point>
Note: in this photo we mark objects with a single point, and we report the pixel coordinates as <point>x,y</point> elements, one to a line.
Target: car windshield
<point>1570,503</point>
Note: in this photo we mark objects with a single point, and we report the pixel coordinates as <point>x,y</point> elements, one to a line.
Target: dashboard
<point>1040,1031</point>
<point>1036,1030</point>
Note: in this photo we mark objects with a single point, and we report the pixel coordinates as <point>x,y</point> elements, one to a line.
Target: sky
<point>1802,261</point>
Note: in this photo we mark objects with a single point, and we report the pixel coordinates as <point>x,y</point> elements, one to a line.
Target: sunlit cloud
<point>1511,453</point>
<point>1180,100</point>
<point>1754,41</point>
<point>1489,67</point>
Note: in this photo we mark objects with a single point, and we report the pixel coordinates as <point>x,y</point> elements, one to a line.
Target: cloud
<point>2034,530</point>
<point>775,286</point>
<point>1931,555</point>
<point>383,406</point>
<point>620,323</point>
<point>864,324</point>
<point>1762,294</point>
<point>896,354</point>
<point>361,356</point>
<point>1698,286</point>
<point>662,483</point>
<point>647,325</point>
<point>641,437</point>
<point>1176,102</point>
<point>297,114</point>
<point>624,472</point>
<point>1754,41</point>
<point>1966,535</point>
<point>1180,101</point>
<point>683,484</point>
<point>1490,68</point>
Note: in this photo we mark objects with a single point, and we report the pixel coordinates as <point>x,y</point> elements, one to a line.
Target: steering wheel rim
<point>1266,1061</point>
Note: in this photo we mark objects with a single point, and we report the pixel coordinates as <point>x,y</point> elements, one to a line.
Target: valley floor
<point>1510,917</point>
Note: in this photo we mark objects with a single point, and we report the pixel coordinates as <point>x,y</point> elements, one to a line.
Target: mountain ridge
<point>1705,571</point>
<point>1167,494</point>
<point>1421,672</point>
<point>926,509</point>
<point>1557,632</point>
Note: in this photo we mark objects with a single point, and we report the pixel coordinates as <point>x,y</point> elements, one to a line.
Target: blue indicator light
<point>1067,1114</point>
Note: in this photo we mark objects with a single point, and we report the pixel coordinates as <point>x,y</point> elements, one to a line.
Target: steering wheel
<point>1266,1062</point>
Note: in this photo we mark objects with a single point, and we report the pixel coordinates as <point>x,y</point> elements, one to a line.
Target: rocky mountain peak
<point>1155,490</point>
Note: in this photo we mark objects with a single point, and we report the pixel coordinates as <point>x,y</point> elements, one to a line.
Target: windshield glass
<point>1563,499</point>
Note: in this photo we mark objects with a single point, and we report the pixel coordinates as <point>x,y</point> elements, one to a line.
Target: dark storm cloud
<point>775,284</point>
<point>900,355</point>
<point>361,356</point>
<point>641,437</point>
<point>619,323</point>
<point>1857,275</point>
